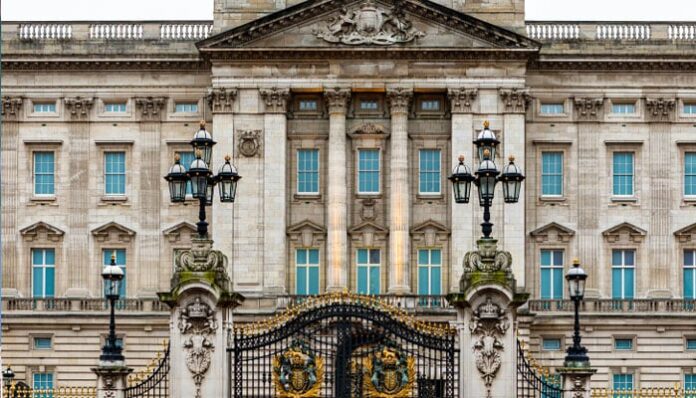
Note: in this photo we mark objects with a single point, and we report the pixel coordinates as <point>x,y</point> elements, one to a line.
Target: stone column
<point>462,100</point>
<point>77,240</point>
<point>588,114</point>
<point>487,305</point>
<point>11,112</point>
<point>576,381</point>
<point>399,100</point>
<point>337,201</point>
<point>660,112</point>
<point>275,189</point>
<point>201,301</point>
<point>150,194</point>
<point>513,144</point>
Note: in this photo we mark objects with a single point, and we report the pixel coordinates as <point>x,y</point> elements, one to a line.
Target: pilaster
<point>11,111</point>
<point>337,100</point>
<point>275,189</point>
<point>399,100</point>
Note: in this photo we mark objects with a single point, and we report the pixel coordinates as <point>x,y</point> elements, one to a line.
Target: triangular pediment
<point>366,25</point>
<point>113,232</point>
<point>552,232</point>
<point>686,234</point>
<point>429,225</point>
<point>306,225</point>
<point>175,232</point>
<point>41,231</point>
<point>625,232</point>
<point>367,226</point>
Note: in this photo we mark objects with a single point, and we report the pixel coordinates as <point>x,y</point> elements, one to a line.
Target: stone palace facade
<point>344,119</point>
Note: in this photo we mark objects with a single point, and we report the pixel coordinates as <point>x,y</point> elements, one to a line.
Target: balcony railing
<point>616,306</point>
<point>414,302</point>
<point>81,304</point>
<point>112,30</point>
<point>606,31</point>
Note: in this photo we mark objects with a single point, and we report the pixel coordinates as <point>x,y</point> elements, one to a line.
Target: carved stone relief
<point>462,99</point>
<point>197,324</point>
<point>276,99</point>
<point>578,390</point>
<point>368,209</point>
<point>399,99</point>
<point>11,107</point>
<point>249,143</point>
<point>220,100</point>
<point>369,24</point>
<point>79,107</point>
<point>660,109</point>
<point>150,107</point>
<point>487,259</point>
<point>488,325</point>
<point>515,100</point>
<point>589,109</point>
<point>337,100</point>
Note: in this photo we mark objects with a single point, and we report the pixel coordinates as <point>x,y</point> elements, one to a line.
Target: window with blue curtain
<point>622,382</point>
<point>690,274</point>
<point>115,173</point>
<point>42,381</point>
<point>47,107</point>
<point>308,171</point>
<point>368,171</point>
<point>690,385</point>
<point>690,109</point>
<point>691,344</point>
<point>115,107</point>
<point>690,174</point>
<point>368,267</point>
<point>552,109</point>
<point>307,271</point>
<point>186,107</point>
<point>623,344</point>
<point>551,274</point>
<point>623,108</point>
<point>121,262</point>
<point>429,171</point>
<point>185,159</point>
<point>623,266</point>
<point>42,343</point>
<point>431,105</point>
<point>44,173</point>
<point>623,174</point>
<point>552,173</point>
<point>429,272</point>
<point>551,344</point>
<point>43,264</point>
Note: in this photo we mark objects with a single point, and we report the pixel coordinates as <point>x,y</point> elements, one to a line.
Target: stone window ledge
<point>552,201</point>
<point>121,200</point>
<point>42,201</point>
<point>305,197</point>
<point>436,197</point>
<point>368,196</point>
<point>689,201</point>
<point>624,201</point>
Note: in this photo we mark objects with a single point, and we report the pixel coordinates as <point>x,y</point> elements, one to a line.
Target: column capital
<point>150,107</point>
<point>221,99</point>
<point>515,100</point>
<point>588,109</point>
<point>337,99</point>
<point>276,99</point>
<point>11,107</point>
<point>78,107</point>
<point>660,109</point>
<point>399,99</point>
<point>462,99</point>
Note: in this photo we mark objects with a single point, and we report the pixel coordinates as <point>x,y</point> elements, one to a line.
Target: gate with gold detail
<point>344,346</point>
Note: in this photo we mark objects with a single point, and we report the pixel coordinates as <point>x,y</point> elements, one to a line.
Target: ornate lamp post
<point>112,275</point>
<point>202,179</point>
<point>577,354</point>
<point>8,376</point>
<point>486,178</point>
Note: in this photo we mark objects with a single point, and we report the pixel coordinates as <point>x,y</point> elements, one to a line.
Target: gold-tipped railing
<point>146,372</point>
<point>647,392</point>
<point>15,391</point>
<point>542,371</point>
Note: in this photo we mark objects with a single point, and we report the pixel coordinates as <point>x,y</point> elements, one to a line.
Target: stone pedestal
<point>487,309</point>
<point>201,301</point>
<point>576,381</point>
<point>112,380</point>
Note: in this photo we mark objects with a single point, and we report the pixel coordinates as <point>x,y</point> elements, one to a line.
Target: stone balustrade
<point>546,31</point>
<point>437,304</point>
<point>81,304</point>
<point>116,30</point>
<point>654,305</point>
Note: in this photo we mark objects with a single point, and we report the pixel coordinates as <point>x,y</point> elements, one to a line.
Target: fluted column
<point>78,206</point>
<point>11,108</point>
<point>275,186</point>
<point>337,203</point>
<point>399,209</point>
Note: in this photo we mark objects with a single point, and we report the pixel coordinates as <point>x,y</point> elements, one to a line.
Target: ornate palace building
<point>344,119</point>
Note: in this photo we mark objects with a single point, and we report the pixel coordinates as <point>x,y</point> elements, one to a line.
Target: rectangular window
<point>551,344</point>
<point>42,343</point>
<point>308,171</point>
<point>690,385</point>
<point>429,171</point>
<point>623,344</point>
<point>47,107</point>
<point>43,264</point>
<point>622,382</point>
<point>115,107</point>
<point>690,109</point>
<point>44,173</point>
<point>430,105</point>
<point>307,271</point>
<point>368,265</point>
<point>186,107</point>
<point>623,108</point>
<point>551,274</point>
<point>115,173</point>
<point>121,262</point>
<point>623,265</point>
<point>552,173</point>
<point>369,105</point>
<point>552,109</point>
<point>691,344</point>
<point>185,159</point>
<point>429,272</point>
<point>308,105</point>
<point>368,171</point>
<point>690,174</point>
<point>623,174</point>
<point>690,274</point>
<point>43,381</point>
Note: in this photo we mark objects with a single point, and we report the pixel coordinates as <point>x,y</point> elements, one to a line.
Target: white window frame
<point>623,266</point>
<point>297,169</point>
<point>308,265</point>
<point>633,174</point>
<point>693,196</point>
<point>541,173</point>
<point>368,265</point>
<point>621,106</point>
<point>34,173</point>
<point>546,105</point>
<point>552,268</point>
<point>430,265</point>
<point>125,173</point>
<point>693,275</point>
<point>107,105</point>
<point>43,267</point>
<point>41,104</point>
<point>379,171</point>
<point>186,104</point>
<point>439,172</point>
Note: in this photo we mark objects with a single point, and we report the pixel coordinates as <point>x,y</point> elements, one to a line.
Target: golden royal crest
<point>297,372</point>
<point>389,374</point>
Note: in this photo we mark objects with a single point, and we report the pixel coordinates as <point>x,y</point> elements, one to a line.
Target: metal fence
<point>152,383</point>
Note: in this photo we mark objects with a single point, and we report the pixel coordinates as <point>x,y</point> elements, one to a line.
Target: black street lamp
<point>112,275</point>
<point>486,178</point>
<point>202,179</point>
<point>577,354</point>
<point>8,376</point>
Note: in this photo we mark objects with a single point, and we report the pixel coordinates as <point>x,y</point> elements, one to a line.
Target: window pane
<point>690,173</point>
<point>552,173</point>
<point>374,280</point>
<point>369,105</point>
<point>435,258</point>
<point>551,344</point>
<point>313,287</point>
<point>115,173</point>
<point>302,257</point>
<point>44,171</point>
<point>691,344</point>
<point>557,283</point>
<point>308,171</point>
<point>629,257</point>
<point>38,282</point>
<point>423,257</point>
<point>546,284</point>
<point>623,173</point>
<point>551,108</point>
<point>689,283</point>
<point>430,105</point>
<point>185,159</point>
<point>314,256</point>
<point>368,171</point>
<point>362,280</point>
<point>429,175</point>
<point>301,280</point>
<point>623,108</point>
<point>690,109</point>
<point>616,283</point>
<point>423,281</point>
<point>362,256</point>
<point>42,343</point>
<point>189,107</point>
<point>628,281</point>
<point>308,105</point>
<point>435,281</point>
<point>623,344</point>
<point>42,381</point>
<point>616,257</point>
<point>374,256</point>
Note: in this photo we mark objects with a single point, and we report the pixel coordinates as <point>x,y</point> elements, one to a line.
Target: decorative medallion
<point>197,322</point>
<point>298,372</point>
<point>369,25</point>
<point>488,324</point>
<point>389,374</point>
<point>249,142</point>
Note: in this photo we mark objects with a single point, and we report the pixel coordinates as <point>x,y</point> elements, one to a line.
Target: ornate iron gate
<point>344,346</point>
<point>155,384</point>
<point>534,384</point>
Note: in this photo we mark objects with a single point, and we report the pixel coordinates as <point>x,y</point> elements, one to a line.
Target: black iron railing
<point>156,385</point>
<point>534,384</point>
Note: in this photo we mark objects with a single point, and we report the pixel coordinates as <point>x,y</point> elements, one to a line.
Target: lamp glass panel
<point>199,185</point>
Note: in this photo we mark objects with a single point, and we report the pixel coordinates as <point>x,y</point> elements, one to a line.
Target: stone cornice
<point>276,99</point>
<point>134,63</point>
<point>660,109</point>
<point>150,108</point>
<point>462,99</point>
<point>515,100</point>
<point>588,109</point>
<point>78,107</point>
<point>11,107</point>
<point>399,99</point>
<point>221,99</point>
<point>572,63</point>
<point>337,99</point>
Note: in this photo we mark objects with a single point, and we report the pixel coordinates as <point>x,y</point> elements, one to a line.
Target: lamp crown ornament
<point>461,159</point>
<point>486,124</point>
